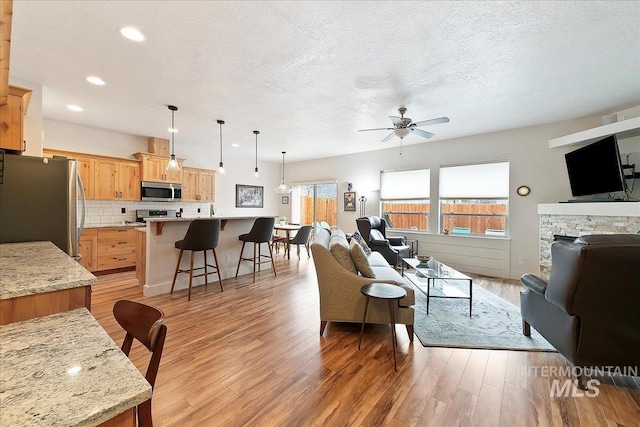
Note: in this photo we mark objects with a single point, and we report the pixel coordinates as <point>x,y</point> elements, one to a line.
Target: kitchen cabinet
<point>154,169</point>
<point>116,248</point>
<point>86,170</point>
<point>198,185</point>
<point>159,146</point>
<point>12,119</point>
<point>88,249</point>
<point>141,254</point>
<point>117,179</point>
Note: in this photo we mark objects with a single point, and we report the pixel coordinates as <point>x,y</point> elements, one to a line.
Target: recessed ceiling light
<point>96,81</point>
<point>76,108</point>
<point>132,34</point>
<point>235,145</point>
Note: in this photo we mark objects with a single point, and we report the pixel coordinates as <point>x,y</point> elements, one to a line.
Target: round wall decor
<point>523,190</point>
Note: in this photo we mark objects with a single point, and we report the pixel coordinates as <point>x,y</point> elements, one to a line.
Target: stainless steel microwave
<point>160,192</point>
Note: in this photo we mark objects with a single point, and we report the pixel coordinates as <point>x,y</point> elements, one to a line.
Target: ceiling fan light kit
<point>403,126</point>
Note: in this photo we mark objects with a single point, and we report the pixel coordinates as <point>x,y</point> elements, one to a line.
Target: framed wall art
<point>350,201</point>
<point>249,196</point>
<point>285,200</point>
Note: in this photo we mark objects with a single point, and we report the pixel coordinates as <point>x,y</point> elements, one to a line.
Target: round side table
<point>391,293</point>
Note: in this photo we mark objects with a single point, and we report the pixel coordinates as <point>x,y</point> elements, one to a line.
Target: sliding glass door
<point>318,203</point>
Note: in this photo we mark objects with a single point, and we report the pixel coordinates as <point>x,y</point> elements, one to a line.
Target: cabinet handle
<point>120,259</point>
<point>122,242</point>
<point>122,230</point>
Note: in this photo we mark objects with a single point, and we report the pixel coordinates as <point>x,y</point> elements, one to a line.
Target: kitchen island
<point>39,279</point>
<point>65,370</point>
<point>161,255</point>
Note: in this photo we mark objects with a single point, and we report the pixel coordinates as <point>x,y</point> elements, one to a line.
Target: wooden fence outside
<point>326,210</point>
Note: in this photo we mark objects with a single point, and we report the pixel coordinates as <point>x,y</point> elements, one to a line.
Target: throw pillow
<point>360,260</point>
<point>358,238</point>
<point>340,250</point>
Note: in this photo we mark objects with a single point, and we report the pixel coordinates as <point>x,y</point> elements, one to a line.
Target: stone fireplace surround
<point>578,219</point>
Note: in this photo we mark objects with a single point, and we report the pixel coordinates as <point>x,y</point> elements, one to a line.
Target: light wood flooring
<point>252,356</point>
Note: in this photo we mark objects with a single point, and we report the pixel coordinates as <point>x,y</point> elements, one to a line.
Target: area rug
<point>495,323</point>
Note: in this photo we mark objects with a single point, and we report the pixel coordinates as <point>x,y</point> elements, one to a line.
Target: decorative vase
<point>283,222</point>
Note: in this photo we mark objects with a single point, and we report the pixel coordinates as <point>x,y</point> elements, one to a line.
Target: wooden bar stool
<point>202,235</point>
<point>261,232</point>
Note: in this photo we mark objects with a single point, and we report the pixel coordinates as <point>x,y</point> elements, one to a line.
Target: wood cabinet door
<point>88,248</point>
<point>86,170</point>
<point>189,185</point>
<point>106,179</point>
<point>173,176</point>
<point>206,186</point>
<point>11,116</point>
<point>152,169</point>
<point>129,181</point>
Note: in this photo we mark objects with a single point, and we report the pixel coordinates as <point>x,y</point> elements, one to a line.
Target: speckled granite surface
<point>38,267</point>
<point>65,370</point>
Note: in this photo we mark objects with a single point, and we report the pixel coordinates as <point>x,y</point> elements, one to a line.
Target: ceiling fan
<point>403,126</point>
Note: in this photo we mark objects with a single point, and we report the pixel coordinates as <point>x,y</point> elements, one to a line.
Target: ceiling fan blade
<point>433,121</point>
<point>423,133</point>
<point>364,130</point>
<point>396,120</point>
<point>388,137</point>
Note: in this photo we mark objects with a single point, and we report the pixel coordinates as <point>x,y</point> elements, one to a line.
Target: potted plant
<point>283,220</point>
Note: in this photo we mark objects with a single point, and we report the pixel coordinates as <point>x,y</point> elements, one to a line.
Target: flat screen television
<point>596,168</point>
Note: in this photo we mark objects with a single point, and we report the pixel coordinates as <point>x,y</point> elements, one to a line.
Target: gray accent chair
<point>589,310</point>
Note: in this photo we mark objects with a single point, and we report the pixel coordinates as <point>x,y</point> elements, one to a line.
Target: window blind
<point>413,184</point>
<point>488,180</point>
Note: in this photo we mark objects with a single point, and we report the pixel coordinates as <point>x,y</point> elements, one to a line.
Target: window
<point>404,199</point>
<point>474,199</point>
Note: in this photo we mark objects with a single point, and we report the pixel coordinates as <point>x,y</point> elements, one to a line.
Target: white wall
<point>532,163</point>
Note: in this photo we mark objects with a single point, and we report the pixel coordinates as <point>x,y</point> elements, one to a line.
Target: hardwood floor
<point>251,355</point>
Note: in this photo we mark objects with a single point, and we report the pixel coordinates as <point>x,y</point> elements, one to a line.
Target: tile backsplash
<point>110,212</point>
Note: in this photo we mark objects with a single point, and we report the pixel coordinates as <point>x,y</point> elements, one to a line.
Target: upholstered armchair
<point>589,309</point>
<point>392,248</point>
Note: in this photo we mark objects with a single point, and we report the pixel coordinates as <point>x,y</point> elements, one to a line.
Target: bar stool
<point>202,235</point>
<point>261,232</point>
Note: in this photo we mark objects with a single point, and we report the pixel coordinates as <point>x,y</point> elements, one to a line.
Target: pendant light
<point>282,188</point>
<point>173,163</point>
<point>255,172</point>
<point>221,166</point>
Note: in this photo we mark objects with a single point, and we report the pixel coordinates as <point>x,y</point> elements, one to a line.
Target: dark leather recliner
<point>589,309</point>
<point>392,248</point>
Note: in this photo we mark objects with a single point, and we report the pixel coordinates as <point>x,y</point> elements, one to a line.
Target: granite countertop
<point>224,218</point>
<point>116,225</point>
<point>37,267</point>
<point>65,370</point>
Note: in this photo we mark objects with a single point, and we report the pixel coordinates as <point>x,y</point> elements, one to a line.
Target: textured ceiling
<point>308,75</point>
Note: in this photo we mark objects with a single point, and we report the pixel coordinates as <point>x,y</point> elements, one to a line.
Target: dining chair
<point>145,324</point>
<point>301,238</point>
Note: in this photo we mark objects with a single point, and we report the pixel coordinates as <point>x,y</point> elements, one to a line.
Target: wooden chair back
<point>145,324</point>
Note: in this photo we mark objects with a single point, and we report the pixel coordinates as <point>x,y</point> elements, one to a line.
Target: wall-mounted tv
<point>596,168</point>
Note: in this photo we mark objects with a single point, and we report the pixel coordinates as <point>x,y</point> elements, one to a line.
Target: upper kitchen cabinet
<point>159,146</point>
<point>117,179</point>
<point>12,118</point>
<point>154,169</point>
<point>198,185</point>
<point>86,170</point>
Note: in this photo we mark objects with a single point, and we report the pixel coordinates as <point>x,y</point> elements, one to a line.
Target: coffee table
<point>438,280</point>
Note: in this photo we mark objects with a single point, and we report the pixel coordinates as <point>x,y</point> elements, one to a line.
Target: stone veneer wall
<point>579,225</point>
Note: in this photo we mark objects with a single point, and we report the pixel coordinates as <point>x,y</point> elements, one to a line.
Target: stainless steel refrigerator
<point>39,201</point>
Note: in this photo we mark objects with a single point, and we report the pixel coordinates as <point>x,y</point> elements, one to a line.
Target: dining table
<point>287,228</point>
